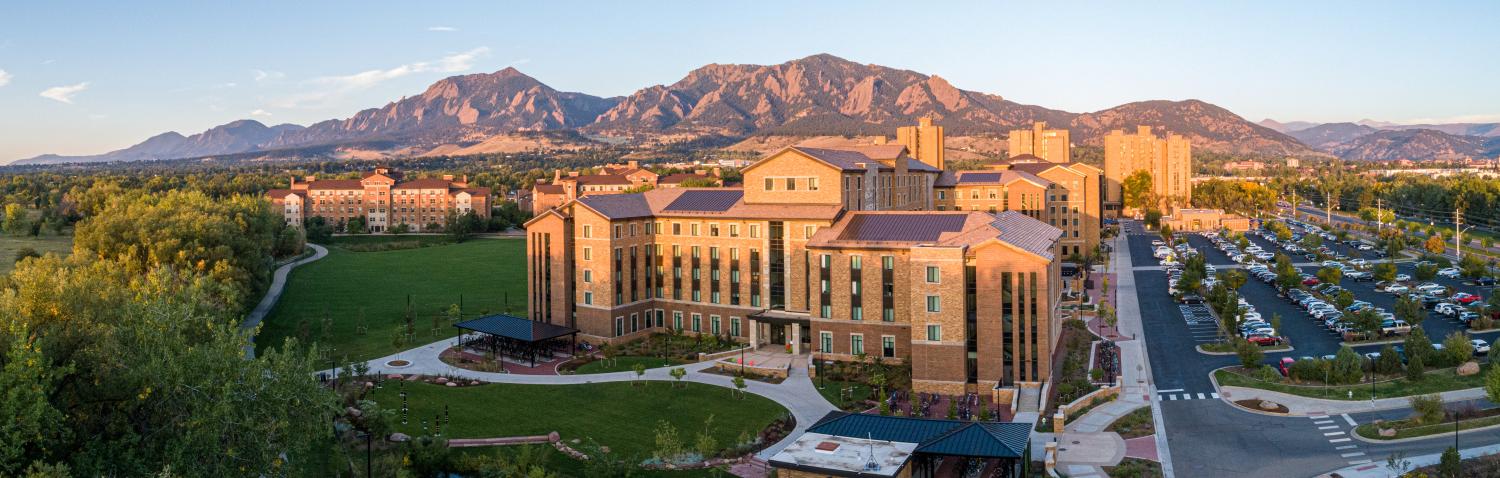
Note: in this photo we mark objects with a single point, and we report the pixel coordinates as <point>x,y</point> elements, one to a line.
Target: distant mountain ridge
<point>817,95</point>
<point>1371,140</point>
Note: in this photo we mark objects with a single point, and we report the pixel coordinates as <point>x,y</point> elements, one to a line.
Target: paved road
<point>273,294</point>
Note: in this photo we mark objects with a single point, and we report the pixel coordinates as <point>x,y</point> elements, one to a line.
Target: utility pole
<point>1379,218</point>
<point>1458,234</point>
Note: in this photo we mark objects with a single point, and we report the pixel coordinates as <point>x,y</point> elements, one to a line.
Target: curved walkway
<point>273,294</point>
<point>797,393</point>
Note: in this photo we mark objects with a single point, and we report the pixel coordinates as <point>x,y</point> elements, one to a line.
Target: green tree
<point>1457,348</point>
<point>16,223</point>
<point>739,384</point>
<point>1385,271</point>
<point>1434,244</point>
<point>1426,409</point>
<point>1233,278</point>
<point>1492,384</point>
<point>1425,272</point>
<point>1451,464</point>
<point>1343,299</point>
<point>705,444</point>
<point>677,374</point>
<point>640,370</point>
<point>1346,366</point>
<point>1137,190</point>
<point>1416,368</point>
<point>1389,362</point>
<point>1417,344</point>
<point>1331,275</point>
<point>1287,275</point>
<point>668,444</point>
<point>1410,310</point>
<point>30,425</point>
<point>1249,353</point>
<point>1473,267</point>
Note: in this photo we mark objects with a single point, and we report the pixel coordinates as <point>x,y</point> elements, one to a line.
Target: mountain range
<point>1370,140</point>
<point>817,95</point>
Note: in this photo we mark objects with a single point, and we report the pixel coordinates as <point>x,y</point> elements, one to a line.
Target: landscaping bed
<point>1228,348</point>
<point>1134,468</point>
<point>1434,381</point>
<point>1073,380</point>
<point>1135,424</point>
<point>626,363</point>
<point>1409,428</point>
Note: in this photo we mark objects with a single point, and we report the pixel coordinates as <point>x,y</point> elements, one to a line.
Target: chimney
<point>924,121</point>
<point>634,164</point>
<point>556,176</point>
<point>572,174</point>
<point>1143,130</point>
<point>294,182</point>
<point>880,140</point>
<point>310,178</point>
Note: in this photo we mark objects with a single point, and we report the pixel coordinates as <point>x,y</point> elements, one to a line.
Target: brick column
<point>796,339</point>
<point>754,334</point>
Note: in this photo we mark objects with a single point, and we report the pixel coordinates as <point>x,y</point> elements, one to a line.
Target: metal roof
<point>914,227</point>
<point>617,206</point>
<point>716,200</point>
<point>978,178</point>
<point>984,440</point>
<point>933,436</point>
<point>1027,233</point>
<point>513,327</point>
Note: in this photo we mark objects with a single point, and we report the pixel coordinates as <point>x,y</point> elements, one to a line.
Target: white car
<point>1403,278</point>
<point>1480,347</point>
<point>1365,247</point>
<point>1447,308</point>
<point>1359,263</point>
<point>1396,289</point>
<point>1451,273</point>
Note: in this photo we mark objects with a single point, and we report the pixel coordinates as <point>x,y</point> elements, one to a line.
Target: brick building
<point>1052,145</point>
<point>611,179</point>
<point>1169,160</point>
<point>382,199</point>
<point>834,252</point>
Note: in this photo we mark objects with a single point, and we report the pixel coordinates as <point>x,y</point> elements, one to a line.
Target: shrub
<point>1309,370</point>
<point>1250,354</point>
<point>1388,363</point>
<point>1415,369</point>
<point>1427,409</point>
<point>1346,366</point>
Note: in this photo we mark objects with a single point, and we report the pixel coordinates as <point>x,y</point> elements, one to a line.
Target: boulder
<point>451,384</point>
<point>394,376</point>
<point>399,437</point>
<point>1387,432</point>
<point>353,412</point>
<point>1269,405</point>
<point>553,437</point>
<point>1468,368</point>
<point>441,380</point>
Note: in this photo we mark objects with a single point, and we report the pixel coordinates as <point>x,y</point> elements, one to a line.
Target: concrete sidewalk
<point>273,294</point>
<point>1304,406</point>
<point>1379,470</point>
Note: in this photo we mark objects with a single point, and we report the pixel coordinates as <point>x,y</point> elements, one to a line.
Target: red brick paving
<point>1143,447</point>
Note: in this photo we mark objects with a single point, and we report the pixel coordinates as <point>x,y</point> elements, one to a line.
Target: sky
<point>90,77</point>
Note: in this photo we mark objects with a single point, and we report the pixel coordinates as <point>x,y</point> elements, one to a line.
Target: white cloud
<point>322,89</point>
<point>64,93</point>
<point>442,29</point>
<point>263,75</point>
<point>4,78</point>
<point>260,112</point>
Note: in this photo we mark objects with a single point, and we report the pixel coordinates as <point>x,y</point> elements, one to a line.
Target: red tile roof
<point>424,183</point>
<point>340,184</point>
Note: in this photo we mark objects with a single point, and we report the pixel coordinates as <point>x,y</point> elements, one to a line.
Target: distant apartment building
<point>382,199</point>
<point>1169,160</point>
<point>1052,145</point>
<point>925,142</point>
<point>1243,166</point>
<point>611,179</point>
<point>834,252</point>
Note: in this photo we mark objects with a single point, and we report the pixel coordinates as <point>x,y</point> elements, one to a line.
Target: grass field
<point>624,364</point>
<point>371,288</point>
<point>619,415</point>
<point>60,245</point>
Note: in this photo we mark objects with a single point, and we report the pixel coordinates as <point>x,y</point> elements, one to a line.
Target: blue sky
<point>88,77</point>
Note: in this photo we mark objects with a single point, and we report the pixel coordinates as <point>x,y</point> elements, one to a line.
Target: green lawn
<point>623,364</point>
<point>1404,428</point>
<point>360,243</point>
<point>1135,424</point>
<point>372,288</point>
<point>839,394</point>
<point>619,415</point>
<point>1435,381</point>
<point>60,245</point>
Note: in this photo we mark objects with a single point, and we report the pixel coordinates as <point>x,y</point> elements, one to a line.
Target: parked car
<point>1467,317</point>
<point>1263,340</point>
<point>1450,272</point>
<point>1447,308</point>
<point>1485,281</point>
<point>1465,298</point>
<point>1285,366</point>
<point>1397,289</point>
<point>1480,347</point>
<point>1310,281</point>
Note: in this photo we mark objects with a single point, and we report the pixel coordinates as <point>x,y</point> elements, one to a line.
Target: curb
<point>1225,398</point>
<point>1373,441</point>
<point>1269,351</point>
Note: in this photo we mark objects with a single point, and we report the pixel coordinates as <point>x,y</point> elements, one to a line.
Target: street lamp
<point>366,435</point>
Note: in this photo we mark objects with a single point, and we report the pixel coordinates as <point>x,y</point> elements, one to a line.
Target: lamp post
<point>366,435</point>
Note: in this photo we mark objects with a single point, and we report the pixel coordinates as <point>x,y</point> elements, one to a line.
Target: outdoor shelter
<point>867,445</point>
<point>518,337</point>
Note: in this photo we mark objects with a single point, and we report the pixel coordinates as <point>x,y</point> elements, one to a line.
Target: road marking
<point>1200,396</point>
<point>1172,390</point>
<point>1339,440</point>
<point>1349,419</point>
<point>1352,455</point>
<point>1323,422</point>
<point>1214,395</point>
<point>1347,447</point>
<point>1317,417</point>
<point>1330,434</point>
<point>1359,462</point>
<point>1329,427</point>
<point>1171,397</point>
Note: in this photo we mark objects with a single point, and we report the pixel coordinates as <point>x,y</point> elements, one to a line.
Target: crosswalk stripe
<point>1317,417</point>
<point>1329,434</point>
<point>1358,462</point>
<point>1323,422</point>
<point>1215,395</point>
<point>1352,455</point>
<point>1200,396</point>
<point>1339,440</point>
<point>1347,447</point>
<point>1329,427</point>
<point>1171,397</point>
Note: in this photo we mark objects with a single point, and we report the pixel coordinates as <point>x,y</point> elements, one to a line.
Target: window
<point>697,322</point>
<point>754,231</point>
<point>713,324</point>
<point>825,311</point>
<point>677,321</point>
<point>856,344</point>
<point>713,230</point>
<point>617,231</point>
<point>734,326</point>
<point>588,298</point>
<point>588,253</point>
<point>694,229</point>
<point>934,332</point>
<point>734,230</point>
<point>825,342</point>
<point>677,229</point>
<point>588,231</point>
<point>619,326</point>
<point>888,262</point>
<point>588,276</point>
<point>857,313</point>
<point>812,184</point>
<point>807,231</point>
<point>887,346</point>
<point>932,274</point>
<point>791,184</point>
<point>934,304</point>
<point>770,184</point>
<point>942,195</point>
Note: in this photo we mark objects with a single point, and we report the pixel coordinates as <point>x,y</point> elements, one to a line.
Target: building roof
<point>716,200</point>
<point>908,227</point>
<point>517,328</point>
<point>844,159</point>
<point>859,158</point>
<point>680,177</point>
<point>617,206</point>
<point>549,189</point>
<point>933,436</point>
<point>1027,233</point>
<point>1039,168</point>
<point>424,183</point>
<point>1025,158</point>
<point>335,184</point>
<point>279,193</point>
<point>825,454</point>
<point>881,152</point>
<point>987,177</point>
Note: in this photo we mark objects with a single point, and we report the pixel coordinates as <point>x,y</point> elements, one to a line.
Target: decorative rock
<point>1468,368</point>
<point>553,437</point>
<point>353,412</point>
<point>441,380</point>
<point>1387,432</point>
<point>399,437</point>
<point>451,384</point>
<point>394,376</point>
<point>1269,405</point>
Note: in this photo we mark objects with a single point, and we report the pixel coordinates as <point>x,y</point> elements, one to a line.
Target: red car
<point>1310,281</point>
<point>1263,340</point>
<point>1285,366</point>
<point>1465,299</point>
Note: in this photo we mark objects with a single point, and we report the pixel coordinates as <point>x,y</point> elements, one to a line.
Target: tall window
<point>934,303</point>
<point>856,344</point>
<point>887,346</point>
<point>934,332</point>
<point>932,274</point>
<point>825,342</point>
<point>588,231</point>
